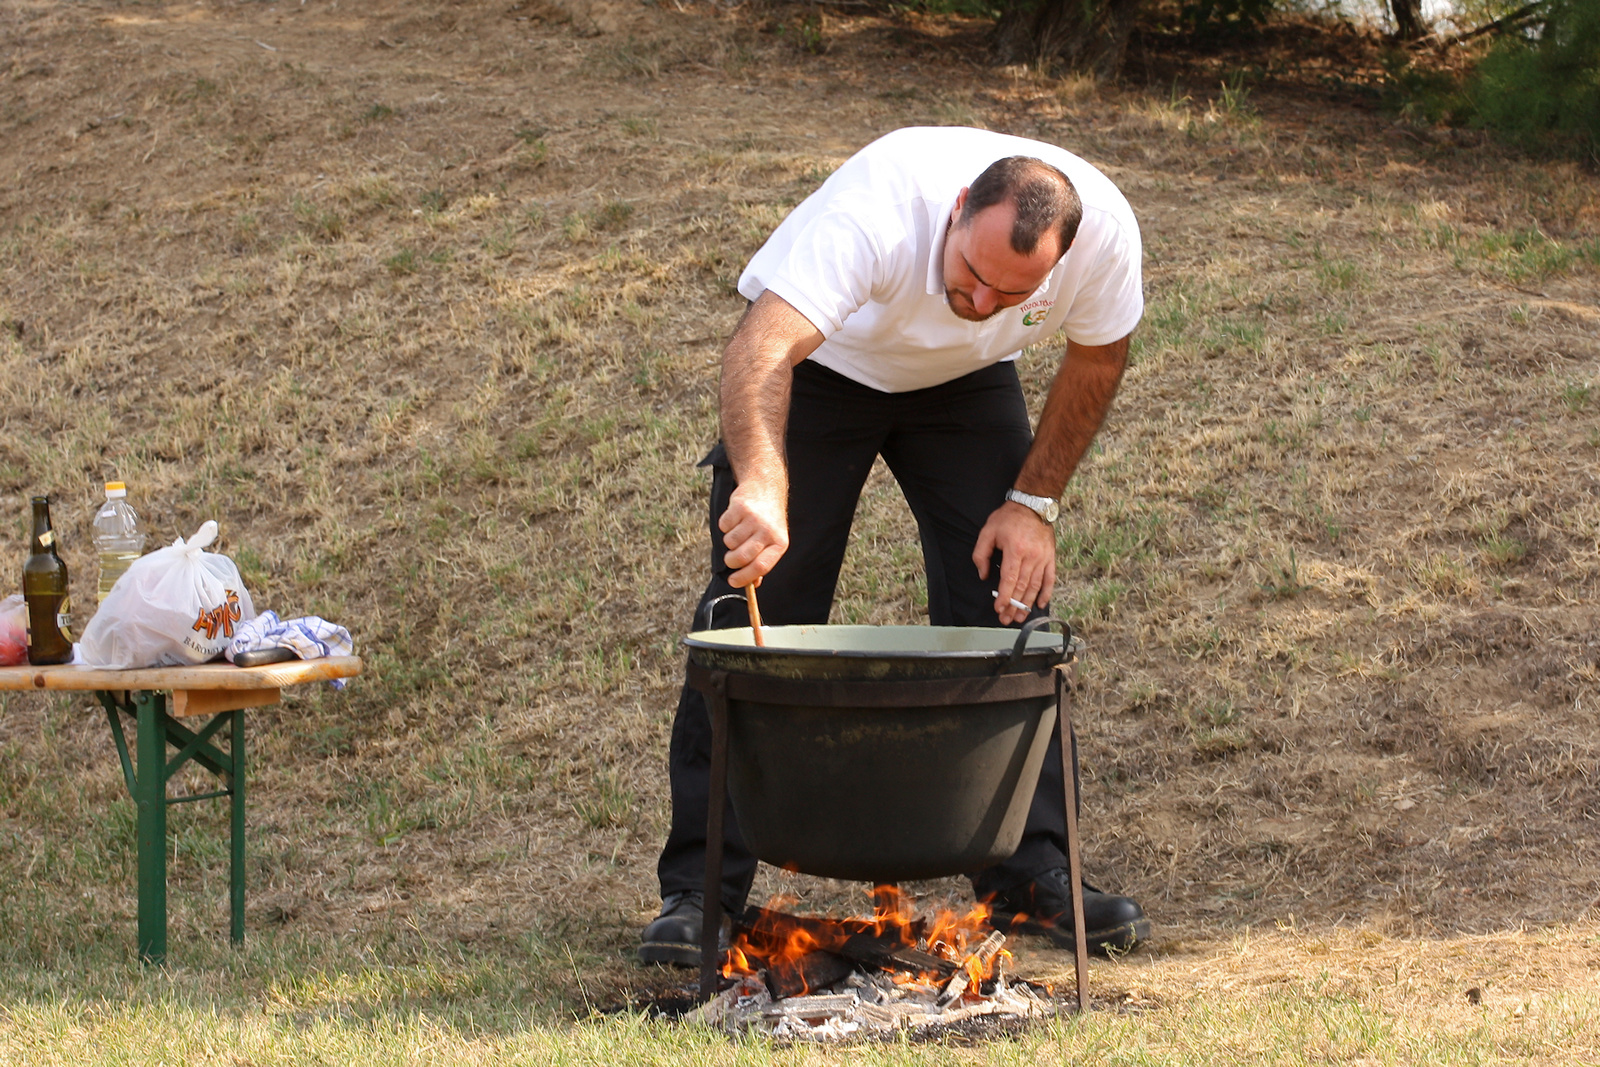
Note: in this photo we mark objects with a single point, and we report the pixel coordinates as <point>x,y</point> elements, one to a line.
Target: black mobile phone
<point>263,656</point>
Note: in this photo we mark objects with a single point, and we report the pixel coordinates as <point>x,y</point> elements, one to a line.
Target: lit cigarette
<point>1019,605</point>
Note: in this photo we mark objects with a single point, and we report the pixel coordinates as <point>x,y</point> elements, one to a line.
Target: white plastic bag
<point>174,607</point>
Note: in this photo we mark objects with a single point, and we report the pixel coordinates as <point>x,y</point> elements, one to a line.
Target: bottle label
<point>47,538</point>
<point>64,619</point>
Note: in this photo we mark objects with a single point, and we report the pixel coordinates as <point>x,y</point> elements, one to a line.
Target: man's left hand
<point>1027,546</point>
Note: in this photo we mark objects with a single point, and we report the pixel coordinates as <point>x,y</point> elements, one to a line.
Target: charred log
<point>815,970</point>
<point>889,947</point>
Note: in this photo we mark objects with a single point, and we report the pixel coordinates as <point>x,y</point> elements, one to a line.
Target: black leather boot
<point>674,936</point>
<point>1043,906</point>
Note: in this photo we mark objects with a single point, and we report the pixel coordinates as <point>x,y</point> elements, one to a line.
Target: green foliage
<point>1219,18</point>
<point>1423,94</point>
<point>1541,88</point>
<point>1537,87</point>
<point>976,9</point>
<point>806,34</point>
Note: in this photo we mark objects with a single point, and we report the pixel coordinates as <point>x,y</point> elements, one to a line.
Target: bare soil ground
<point>423,302</point>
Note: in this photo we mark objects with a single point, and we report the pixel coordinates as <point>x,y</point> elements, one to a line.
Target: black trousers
<point>954,449</point>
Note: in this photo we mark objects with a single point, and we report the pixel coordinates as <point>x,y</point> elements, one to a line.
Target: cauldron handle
<point>1027,631</point>
<point>705,612</point>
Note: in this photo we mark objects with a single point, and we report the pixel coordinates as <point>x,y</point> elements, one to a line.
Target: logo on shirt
<point>1034,311</point>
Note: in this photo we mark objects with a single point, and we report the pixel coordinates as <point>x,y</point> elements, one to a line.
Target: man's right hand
<point>757,373</point>
<point>755,528</point>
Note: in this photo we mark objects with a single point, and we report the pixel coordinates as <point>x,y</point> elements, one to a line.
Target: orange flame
<point>768,946</point>
<point>772,943</point>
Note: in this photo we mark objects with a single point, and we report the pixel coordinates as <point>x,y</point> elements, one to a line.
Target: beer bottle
<point>44,587</point>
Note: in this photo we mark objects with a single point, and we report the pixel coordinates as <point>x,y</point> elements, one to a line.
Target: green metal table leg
<point>147,783</point>
<point>151,798</point>
<point>236,864</point>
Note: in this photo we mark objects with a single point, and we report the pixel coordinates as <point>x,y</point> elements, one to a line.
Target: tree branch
<point>1499,25</point>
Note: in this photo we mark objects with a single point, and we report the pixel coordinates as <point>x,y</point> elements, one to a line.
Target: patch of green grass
<point>1283,578</point>
<point>613,215</point>
<point>402,262</point>
<point>1232,333</point>
<point>1215,730</point>
<point>317,220</point>
<point>1280,436</point>
<point>502,242</point>
<point>1098,600</point>
<point>374,190</point>
<point>532,155</point>
<point>608,804</point>
<point>808,34</point>
<point>200,89</point>
<point>1519,255</point>
<point>1233,98</point>
<point>1502,551</point>
<point>1107,548</point>
<point>632,58</point>
<point>1339,273</point>
<point>367,1013</point>
<point>576,226</point>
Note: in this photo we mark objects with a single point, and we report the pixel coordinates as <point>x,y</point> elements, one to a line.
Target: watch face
<point>1051,510</point>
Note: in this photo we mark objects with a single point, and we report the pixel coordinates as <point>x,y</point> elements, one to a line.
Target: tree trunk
<point>1407,19</point>
<point>1083,36</point>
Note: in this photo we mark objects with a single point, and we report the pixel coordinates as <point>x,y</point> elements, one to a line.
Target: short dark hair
<point>1045,199</point>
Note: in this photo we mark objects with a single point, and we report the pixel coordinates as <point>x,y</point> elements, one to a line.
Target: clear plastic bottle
<point>118,537</point>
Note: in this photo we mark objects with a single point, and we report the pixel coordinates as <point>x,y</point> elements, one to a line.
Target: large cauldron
<point>883,753</point>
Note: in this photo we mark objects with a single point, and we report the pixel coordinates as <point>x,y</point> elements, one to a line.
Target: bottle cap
<point>116,489</point>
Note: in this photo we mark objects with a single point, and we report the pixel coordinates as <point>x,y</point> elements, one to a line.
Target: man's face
<point>982,274</point>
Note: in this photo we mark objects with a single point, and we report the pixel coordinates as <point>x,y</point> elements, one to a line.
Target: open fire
<point>817,978</point>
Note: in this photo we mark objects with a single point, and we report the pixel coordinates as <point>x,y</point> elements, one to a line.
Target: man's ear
<point>961,200</point>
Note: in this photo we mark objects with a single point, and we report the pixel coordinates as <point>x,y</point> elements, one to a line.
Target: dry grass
<point>424,303</point>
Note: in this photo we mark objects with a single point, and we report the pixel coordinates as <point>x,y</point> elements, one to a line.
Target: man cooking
<point>885,314</point>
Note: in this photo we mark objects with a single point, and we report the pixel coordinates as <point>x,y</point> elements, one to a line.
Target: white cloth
<point>310,636</point>
<point>861,258</point>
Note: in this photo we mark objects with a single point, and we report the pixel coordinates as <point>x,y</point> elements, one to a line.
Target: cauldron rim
<point>739,639</point>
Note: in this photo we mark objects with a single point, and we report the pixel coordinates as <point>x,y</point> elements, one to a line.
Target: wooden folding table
<point>156,699</point>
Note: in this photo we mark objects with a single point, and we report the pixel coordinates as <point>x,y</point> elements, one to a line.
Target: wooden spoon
<point>755,614</point>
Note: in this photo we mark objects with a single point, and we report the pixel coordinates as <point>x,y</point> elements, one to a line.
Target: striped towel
<point>310,636</point>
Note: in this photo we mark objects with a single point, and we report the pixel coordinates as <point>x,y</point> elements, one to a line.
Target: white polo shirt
<point>862,258</point>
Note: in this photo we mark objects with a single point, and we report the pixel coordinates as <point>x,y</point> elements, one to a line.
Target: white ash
<point>866,1003</point>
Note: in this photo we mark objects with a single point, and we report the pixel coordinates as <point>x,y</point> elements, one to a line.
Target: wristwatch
<point>1044,507</point>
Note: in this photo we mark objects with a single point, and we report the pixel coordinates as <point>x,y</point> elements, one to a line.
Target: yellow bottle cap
<point>112,486</point>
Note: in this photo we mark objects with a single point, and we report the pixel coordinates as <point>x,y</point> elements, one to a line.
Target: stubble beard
<point>970,313</point>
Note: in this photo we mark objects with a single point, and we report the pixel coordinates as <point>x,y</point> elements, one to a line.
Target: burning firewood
<point>814,970</point>
<point>817,978</point>
<point>855,939</point>
<point>972,970</point>
<point>814,1007</point>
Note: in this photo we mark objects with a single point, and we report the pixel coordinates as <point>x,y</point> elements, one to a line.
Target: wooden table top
<point>204,676</point>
